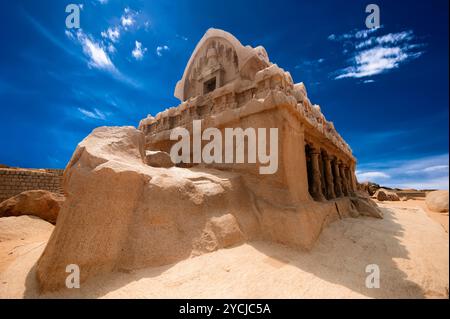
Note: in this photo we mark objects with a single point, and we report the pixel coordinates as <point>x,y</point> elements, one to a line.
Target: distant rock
<point>437,201</point>
<point>40,203</point>
<point>385,195</point>
<point>158,159</point>
<point>369,187</point>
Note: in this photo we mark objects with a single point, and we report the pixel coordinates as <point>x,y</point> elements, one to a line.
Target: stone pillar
<point>316,188</point>
<point>350,188</point>
<point>337,180</point>
<point>329,178</point>
<point>352,174</point>
<point>343,179</point>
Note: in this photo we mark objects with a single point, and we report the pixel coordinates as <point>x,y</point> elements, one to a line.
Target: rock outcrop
<point>437,201</point>
<point>40,203</point>
<point>369,187</point>
<point>385,195</point>
<point>122,214</point>
<point>158,159</point>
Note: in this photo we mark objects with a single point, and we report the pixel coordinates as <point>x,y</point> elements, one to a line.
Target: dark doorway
<point>209,86</point>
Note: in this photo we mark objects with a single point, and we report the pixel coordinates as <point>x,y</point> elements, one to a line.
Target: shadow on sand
<point>339,257</point>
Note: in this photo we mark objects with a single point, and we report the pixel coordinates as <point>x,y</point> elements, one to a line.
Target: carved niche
<point>215,65</point>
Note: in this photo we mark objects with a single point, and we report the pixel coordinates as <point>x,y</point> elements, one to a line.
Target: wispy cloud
<point>160,49</point>
<point>182,37</point>
<point>309,63</point>
<point>138,51</point>
<point>430,172</point>
<point>371,55</point>
<point>112,33</point>
<point>94,114</point>
<point>371,176</point>
<point>128,18</point>
<point>98,58</point>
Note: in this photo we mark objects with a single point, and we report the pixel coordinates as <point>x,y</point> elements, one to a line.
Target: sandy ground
<point>410,248</point>
<point>441,218</point>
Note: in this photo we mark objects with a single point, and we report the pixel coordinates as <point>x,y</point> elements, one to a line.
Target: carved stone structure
<point>127,208</point>
<point>226,84</point>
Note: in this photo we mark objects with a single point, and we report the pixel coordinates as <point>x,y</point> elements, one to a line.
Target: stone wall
<point>16,180</point>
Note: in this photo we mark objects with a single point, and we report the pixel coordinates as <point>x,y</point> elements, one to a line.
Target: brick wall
<point>16,180</point>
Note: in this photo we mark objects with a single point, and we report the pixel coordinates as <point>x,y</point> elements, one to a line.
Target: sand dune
<point>409,247</point>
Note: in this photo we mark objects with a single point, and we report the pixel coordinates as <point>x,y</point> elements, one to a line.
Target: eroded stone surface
<point>158,159</point>
<point>122,214</point>
<point>39,203</point>
<point>437,201</point>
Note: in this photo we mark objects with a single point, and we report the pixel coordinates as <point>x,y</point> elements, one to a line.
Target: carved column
<point>354,181</point>
<point>343,179</point>
<point>337,180</point>
<point>316,188</point>
<point>348,173</point>
<point>329,178</point>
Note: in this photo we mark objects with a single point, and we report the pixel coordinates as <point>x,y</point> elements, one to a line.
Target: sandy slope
<point>409,247</point>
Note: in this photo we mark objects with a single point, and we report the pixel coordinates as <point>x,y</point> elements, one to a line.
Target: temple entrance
<point>209,86</point>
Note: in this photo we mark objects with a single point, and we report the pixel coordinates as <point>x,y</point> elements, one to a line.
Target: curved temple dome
<point>219,59</point>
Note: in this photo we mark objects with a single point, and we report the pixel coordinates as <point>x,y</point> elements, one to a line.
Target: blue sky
<point>385,90</point>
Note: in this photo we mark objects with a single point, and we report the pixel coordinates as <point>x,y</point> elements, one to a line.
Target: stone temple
<point>226,84</point>
<point>124,210</point>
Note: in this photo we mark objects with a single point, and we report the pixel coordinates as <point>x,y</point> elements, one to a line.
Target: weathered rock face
<point>158,159</point>
<point>121,214</point>
<point>437,201</point>
<point>383,195</point>
<point>40,203</point>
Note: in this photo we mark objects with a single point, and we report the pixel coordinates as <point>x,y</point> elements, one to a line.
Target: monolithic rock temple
<point>124,212</point>
<point>226,84</point>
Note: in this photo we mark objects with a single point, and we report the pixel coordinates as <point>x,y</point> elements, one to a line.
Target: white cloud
<point>388,39</point>
<point>98,58</point>
<point>374,61</point>
<point>160,49</point>
<point>182,37</point>
<point>431,172</point>
<point>355,34</point>
<point>103,1</point>
<point>138,51</point>
<point>371,176</point>
<point>310,63</point>
<point>374,55</point>
<point>69,34</point>
<point>112,33</point>
<point>127,18</point>
<point>111,49</point>
<point>95,114</point>
<point>436,168</point>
